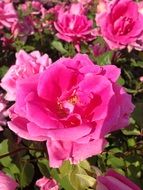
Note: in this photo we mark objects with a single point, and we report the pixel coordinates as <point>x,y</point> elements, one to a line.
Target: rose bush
<point>72,105</point>
<point>114,180</point>
<point>120,23</point>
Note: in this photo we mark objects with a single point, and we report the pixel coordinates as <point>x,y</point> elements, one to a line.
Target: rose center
<point>123,25</point>
<point>66,107</point>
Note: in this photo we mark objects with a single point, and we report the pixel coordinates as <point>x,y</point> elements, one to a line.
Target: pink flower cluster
<point>72,105</point>
<point>121,23</point>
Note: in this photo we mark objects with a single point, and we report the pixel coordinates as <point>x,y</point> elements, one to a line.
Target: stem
<point>18,150</point>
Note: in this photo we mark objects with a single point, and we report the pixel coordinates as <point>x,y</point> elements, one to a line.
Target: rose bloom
<point>121,24</point>
<point>113,180</point>
<point>84,2</point>
<point>25,66</point>
<point>47,184</point>
<point>72,105</point>
<point>6,182</point>
<point>74,26</point>
<point>23,29</point>
<point>8,15</point>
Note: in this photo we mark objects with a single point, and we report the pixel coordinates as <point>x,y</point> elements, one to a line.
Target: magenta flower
<point>120,23</point>
<point>113,180</point>
<point>72,105</point>
<point>47,184</point>
<point>6,182</point>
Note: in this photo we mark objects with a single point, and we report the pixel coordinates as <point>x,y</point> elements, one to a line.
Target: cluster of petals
<point>6,182</point>
<point>8,14</point>
<point>72,105</point>
<point>25,66</point>
<point>73,25</point>
<point>113,180</point>
<point>47,184</point>
<point>120,23</point>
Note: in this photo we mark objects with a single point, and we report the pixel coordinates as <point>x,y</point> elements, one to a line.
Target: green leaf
<point>27,173</point>
<point>3,70</point>
<point>85,165</point>
<point>131,142</point>
<point>115,162</point>
<point>66,183</point>
<point>105,58</point>
<point>138,113</point>
<point>43,165</point>
<point>80,179</point>
<point>65,169</point>
<point>121,81</point>
<point>4,149</point>
<point>59,46</point>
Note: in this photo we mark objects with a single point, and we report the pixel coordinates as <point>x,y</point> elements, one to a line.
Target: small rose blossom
<point>6,182</point>
<point>120,24</point>
<point>74,26</point>
<point>23,29</point>
<point>113,180</point>
<point>8,15</point>
<point>47,184</point>
<point>99,50</point>
<point>72,105</point>
<point>25,66</point>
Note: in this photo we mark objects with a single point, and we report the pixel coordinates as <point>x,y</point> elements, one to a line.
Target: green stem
<point>18,150</point>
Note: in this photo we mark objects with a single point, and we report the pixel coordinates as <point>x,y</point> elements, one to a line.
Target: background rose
<point>8,14</point>
<point>122,29</point>
<point>73,25</point>
<point>72,105</point>
<point>114,180</point>
<point>47,184</point>
<point>25,66</point>
<point>84,2</point>
<point>6,182</point>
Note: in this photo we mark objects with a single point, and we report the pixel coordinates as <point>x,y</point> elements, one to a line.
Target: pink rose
<point>6,182</point>
<point>74,26</point>
<point>23,29</point>
<point>8,15</point>
<point>47,184</point>
<point>113,180</point>
<point>25,66</point>
<point>72,105</point>
<point>84,2</point>
<point>121,24</point>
